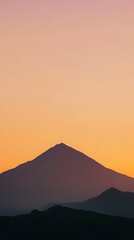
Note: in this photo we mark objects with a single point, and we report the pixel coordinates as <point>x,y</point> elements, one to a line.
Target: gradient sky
<point>67,75</point>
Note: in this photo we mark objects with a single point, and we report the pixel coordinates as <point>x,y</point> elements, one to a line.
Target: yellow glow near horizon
<point>67,76</point>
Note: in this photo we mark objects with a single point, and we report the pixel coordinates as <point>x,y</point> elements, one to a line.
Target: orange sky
<point>67,75</point>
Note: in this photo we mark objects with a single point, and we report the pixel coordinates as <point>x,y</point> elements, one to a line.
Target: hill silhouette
<point>62,223</point>
<point>61,174</point>
<point>111,202</point>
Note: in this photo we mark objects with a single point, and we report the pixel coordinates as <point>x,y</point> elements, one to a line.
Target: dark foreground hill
<point>61,174</point>
<point>59,223</point>
<point>112,202</point>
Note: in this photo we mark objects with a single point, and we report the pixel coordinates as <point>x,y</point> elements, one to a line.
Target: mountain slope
<point>111,202</point>
<point>61,174</point>
<point>62,223</point>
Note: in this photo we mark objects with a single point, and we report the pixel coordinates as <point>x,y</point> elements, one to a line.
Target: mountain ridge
<point>63,223</point>
<point>62,146</point>
<point>57,146</point>
<point>60,174</point>
<point>111,202</point>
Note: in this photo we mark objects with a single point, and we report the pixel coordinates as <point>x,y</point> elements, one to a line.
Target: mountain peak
<point>61,174</point>
<point>61,145</point>
<point>111,191</point>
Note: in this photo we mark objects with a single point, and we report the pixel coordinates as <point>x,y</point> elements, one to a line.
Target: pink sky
<point>67,75</point>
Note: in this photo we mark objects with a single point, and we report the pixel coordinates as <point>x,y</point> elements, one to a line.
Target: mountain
<point>62,223</point>
<point>111,202</point>
<point>61,174</point>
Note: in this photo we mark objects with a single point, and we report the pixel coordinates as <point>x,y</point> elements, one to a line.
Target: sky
<point>67,75</point>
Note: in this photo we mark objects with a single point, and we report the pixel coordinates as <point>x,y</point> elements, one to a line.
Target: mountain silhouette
<point>61,174</point>
<point>63,223</point>
<point>111,202</point>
